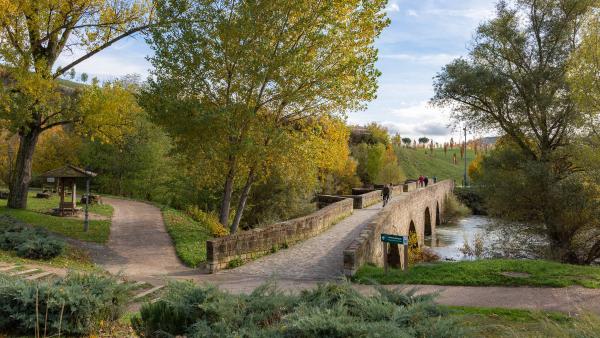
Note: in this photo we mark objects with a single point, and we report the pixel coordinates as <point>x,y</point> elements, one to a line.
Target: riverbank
<point>486,272</point>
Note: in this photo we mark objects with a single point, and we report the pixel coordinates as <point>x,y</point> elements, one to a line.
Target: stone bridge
<point>337,239</point>
<point>418,211</point>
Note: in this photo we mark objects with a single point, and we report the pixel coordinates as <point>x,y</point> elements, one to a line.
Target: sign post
<point>395,239</point>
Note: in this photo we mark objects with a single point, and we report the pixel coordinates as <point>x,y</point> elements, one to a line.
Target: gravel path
<point>139,245</point>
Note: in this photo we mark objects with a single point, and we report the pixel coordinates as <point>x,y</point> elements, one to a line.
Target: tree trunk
<point>21,176</point>
<point>242,202</point>
<point>227,193</point>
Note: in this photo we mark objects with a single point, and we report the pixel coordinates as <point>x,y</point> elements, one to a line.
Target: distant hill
<point>416,162</point>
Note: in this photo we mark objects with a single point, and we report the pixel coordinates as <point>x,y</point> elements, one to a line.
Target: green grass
<point>36,215</point>
<point>500,322</point>
<point>415,162</point>
<point>486,273</point>
<point>188,236</point>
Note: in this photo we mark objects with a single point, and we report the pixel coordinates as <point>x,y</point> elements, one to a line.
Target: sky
<point>424,35</point>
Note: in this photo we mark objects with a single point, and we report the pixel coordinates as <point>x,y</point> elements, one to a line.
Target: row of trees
<point>532,75</point>
<point>245,105</point>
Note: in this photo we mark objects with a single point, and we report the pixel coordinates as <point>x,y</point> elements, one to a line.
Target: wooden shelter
<point>63,178</point>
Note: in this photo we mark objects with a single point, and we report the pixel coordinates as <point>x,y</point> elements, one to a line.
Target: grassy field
<point>417,162</point>
<point>496,322</point>
<point>188,236</point>
<point>487,273</point>
<point>37,214</point>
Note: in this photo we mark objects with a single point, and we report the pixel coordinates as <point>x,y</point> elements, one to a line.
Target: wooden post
<point>62,196</point>
<point>73,195</point>
<point>405,257</point>
<point>385,257</point>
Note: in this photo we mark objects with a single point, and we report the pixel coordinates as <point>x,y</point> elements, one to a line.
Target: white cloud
<point>412,12</point>
<point>392,7</point>
<point>430,59</point>
<point>477,14</point>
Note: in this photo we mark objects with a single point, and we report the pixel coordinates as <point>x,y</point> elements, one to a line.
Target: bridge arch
<point>427,224</point>
<point>413,230</point>
<point>437,213</point>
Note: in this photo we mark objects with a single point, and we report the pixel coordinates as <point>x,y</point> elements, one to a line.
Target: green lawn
<point>188,235</point>
<point>36,214</point>
<point>415,162</point>
<point>486,273</point>
<point>498,322</point>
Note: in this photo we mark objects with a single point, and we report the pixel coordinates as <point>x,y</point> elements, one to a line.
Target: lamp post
<point>465,151</point>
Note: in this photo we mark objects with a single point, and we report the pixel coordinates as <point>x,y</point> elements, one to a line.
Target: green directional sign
<point>394,239</point>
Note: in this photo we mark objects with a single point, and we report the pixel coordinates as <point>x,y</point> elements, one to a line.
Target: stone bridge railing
<point>247,245</point>
<point>417,210</point>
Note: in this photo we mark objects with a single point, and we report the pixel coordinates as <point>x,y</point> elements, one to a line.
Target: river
<point>450,238</point>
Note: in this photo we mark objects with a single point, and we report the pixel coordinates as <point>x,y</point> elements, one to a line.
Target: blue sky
<point>424,35</point>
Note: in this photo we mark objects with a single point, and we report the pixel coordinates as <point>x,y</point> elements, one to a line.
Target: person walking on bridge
<point>426,181</point>
<point>386,194</point>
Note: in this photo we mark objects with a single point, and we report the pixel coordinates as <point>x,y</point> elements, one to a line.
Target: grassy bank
<point>415,162</point>
<point>497,322</point>
<point>188,236</point>
<point>37,214</point>
<point>492,272</point>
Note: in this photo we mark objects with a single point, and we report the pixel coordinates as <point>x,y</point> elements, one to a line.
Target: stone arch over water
<point>427,222</point>
<point>437,214</point>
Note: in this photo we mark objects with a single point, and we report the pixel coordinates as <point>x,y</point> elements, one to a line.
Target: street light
<point>465,152</point>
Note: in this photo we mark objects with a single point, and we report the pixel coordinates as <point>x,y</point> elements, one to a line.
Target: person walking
<point>420,181</point>
<point>426,180</point>
<point>386,194</point>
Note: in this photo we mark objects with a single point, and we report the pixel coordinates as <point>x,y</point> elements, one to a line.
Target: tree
<point>33,35</point>
<point>423,140</point>
<point>407,141</point>
<point>584,67</point>
<point>235,82</point>
<point>515,81</point>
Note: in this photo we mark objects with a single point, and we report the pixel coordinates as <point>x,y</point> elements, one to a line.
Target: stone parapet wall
<point>250,244</point>
<point>409,208</point>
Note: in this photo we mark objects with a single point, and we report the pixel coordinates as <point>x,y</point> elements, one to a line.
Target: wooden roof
<point>68,171</point>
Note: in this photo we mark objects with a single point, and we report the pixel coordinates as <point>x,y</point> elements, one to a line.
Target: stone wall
<point>247,245</point>
<point>420,209</point>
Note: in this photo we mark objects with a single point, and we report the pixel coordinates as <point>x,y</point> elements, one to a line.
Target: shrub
<point>210,221</point>
<point>74,305</point>
<point>329,310</point>
<point>472,199</point>
<point>34,243</point>
<point>234,263</point>
<point>454,209</point>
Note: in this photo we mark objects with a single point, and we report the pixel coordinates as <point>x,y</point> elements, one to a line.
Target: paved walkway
<point>140,248</point>
<point>139,245</point>
<point>316,259</point>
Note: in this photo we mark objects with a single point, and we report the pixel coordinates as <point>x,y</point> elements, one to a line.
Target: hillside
<point>416,162</point>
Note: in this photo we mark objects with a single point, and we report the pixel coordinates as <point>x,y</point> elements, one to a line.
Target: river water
<point>449,238</point>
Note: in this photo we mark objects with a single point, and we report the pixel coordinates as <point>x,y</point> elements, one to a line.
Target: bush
<point>34,243</point>
<point>74,305</point>
<point>472,199</point>
<point>330,310</point>
<point>210,221</point>
<point>454,209</point>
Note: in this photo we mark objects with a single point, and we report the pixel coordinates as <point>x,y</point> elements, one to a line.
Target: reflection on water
<point>450,237</point>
